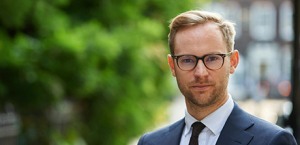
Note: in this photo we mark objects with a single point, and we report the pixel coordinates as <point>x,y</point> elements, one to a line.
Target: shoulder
<point>271,133</point>
<point>283,137</point>
<point>152,138</point>
<point>263,124</point>
<point>267,133</point>
<point>246,121</point>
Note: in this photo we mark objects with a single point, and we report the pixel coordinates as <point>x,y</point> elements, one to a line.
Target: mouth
<point>202,87</point>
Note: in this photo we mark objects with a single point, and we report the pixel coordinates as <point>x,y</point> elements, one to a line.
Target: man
<point>202,57</point>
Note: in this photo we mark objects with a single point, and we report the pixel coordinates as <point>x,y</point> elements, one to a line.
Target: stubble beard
<point>204,101</point>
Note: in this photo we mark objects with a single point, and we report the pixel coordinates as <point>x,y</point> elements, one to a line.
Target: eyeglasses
<point>211,61</point>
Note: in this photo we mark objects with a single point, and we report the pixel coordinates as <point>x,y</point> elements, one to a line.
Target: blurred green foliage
<point>106,57</point>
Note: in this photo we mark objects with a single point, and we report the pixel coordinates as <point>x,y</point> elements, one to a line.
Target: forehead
<point>201,39</point>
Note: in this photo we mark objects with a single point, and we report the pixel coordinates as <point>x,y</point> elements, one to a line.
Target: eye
<point>212,58</point>
<point>187,60</point>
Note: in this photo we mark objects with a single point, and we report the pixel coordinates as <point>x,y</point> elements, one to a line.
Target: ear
<point>234,61</point>
<point>171,65</point>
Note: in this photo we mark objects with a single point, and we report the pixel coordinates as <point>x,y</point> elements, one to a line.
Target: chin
<point>202,103</point>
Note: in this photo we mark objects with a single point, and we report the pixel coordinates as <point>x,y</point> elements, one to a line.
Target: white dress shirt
<point>214,123</point>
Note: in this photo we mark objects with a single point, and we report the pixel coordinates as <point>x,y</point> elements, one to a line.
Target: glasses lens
<point>213,61</point>
<point>186,62</point>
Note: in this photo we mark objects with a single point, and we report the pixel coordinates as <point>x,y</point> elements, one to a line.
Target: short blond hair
<point>191,18</point>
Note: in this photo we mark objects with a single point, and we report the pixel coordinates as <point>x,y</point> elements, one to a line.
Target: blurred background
<point>95,72</point>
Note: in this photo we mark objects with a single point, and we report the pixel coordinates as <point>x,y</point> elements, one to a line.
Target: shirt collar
<point>214,121</point>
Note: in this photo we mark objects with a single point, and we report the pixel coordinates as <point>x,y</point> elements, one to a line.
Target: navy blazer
<point>240,128</point>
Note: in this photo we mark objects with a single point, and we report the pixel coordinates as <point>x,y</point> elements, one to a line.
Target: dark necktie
<point>197,128</point>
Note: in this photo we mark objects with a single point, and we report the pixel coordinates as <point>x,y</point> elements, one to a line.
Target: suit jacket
<point>240,128</point>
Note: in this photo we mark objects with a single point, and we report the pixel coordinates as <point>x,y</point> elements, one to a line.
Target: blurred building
<point>262,82</point>
<point>264,39</point>
<point>9,125</point>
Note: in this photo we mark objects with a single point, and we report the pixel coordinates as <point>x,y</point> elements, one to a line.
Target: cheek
<point>182,77</point>
<point>226,67</point>
<point>223,74</point>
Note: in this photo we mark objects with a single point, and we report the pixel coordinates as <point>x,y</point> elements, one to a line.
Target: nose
<point>200,70</point>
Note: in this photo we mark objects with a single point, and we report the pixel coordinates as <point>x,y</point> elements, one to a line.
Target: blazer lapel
<point>173,137</point>
<point>234,131</point>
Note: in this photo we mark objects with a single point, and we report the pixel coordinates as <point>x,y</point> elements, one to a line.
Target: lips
<point>201,87</point>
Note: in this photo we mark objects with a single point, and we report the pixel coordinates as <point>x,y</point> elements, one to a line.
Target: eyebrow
<point>202,55</point>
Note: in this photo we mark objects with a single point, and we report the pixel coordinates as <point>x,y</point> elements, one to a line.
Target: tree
<point>106,58</point>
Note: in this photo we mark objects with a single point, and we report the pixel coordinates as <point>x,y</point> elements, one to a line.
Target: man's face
<point>201,86</point>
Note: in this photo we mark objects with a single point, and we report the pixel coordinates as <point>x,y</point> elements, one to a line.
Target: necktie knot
<point>197,128</point>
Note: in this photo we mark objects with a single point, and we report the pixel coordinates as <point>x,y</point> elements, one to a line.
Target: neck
<point>200,112</point>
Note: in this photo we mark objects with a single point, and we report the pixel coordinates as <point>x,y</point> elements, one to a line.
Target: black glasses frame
<point>223,55</point>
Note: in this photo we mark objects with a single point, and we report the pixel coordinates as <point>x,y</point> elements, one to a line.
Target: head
<point>202,33</point>
<point>192,18</point>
